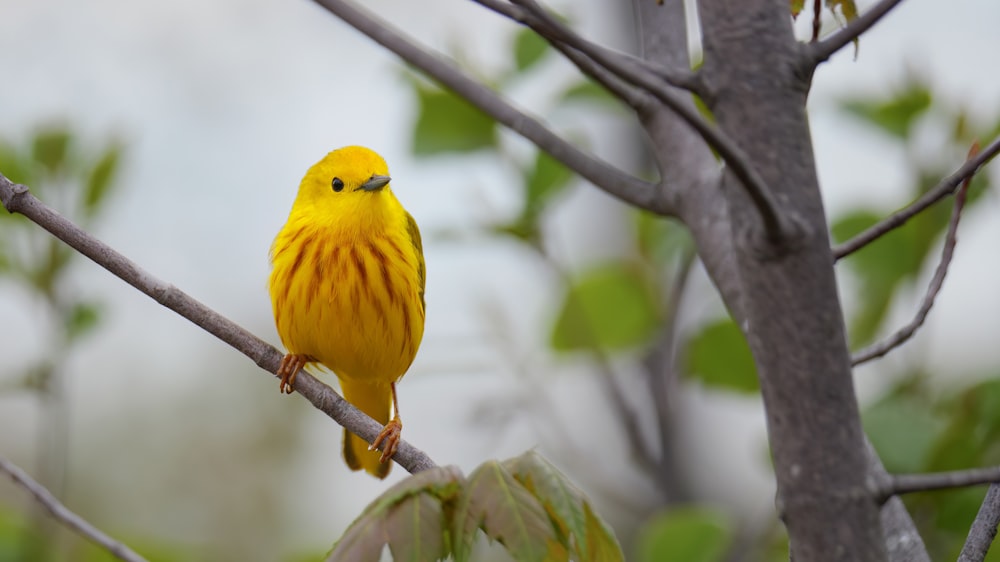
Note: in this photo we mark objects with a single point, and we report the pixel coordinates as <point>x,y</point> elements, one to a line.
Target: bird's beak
<point>375,183</point>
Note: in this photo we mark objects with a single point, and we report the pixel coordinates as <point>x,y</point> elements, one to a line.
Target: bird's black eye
<point>338,184</point>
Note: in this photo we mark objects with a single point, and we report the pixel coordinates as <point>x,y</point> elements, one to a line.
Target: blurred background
<point>178,132</point>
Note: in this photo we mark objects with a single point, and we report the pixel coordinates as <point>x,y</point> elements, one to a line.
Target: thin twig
<point>661,375</point>
<point>605,176</point>
<point>17,199</point>
<point>680,78</point>
<point>983,529</point>
<point>63,514</point>
<point>945,187</point>
<point>636,98</point>
<point>778,227</point>
<point>817,18</point>
<point>937,281</point>
<point>824,49</point>
<point>897,484</point>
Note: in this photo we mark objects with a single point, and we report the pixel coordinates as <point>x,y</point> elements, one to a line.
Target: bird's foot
<point>390,435</point>
<point>289,368</point>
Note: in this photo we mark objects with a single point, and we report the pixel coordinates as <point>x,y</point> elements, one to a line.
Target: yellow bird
<point>347,290</point>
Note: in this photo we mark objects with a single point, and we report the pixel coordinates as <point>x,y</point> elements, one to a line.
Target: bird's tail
<point>374,400</point>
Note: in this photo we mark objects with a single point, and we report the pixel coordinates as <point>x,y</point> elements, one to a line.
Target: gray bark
<point>783,293</point>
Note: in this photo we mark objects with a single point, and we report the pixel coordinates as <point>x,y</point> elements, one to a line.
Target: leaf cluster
<point>524,504</point>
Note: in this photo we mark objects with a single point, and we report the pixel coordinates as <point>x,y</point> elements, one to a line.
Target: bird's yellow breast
<point>347,285</point>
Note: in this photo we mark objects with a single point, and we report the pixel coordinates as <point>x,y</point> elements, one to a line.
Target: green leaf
<point>600,540</point>
<point>529,48</point>
<point>884,264</point>
<point>687,534</point>
<point>957,509</point>
<point>720,357</point>
<point>796,7</point>
<point>895,116</point>
<point>973,430</point>
<point>848,8</point>
<point>523,228</point>
<point>100,178</point>
<point>447,123</point>
<point>903,428</point>
<point>47,269</point>
<point>398,514</point>
<point>547,178</point>
<point>415,529</point>
<point>50,147</point>
<point>880,266</point>
<point>587,537</point>
<point>587,91</point>
<point>987,399</point>
<point>703,109</point>
<point>363,541</point>
<point>658,239</point>
<point>543,181</point>
<point>611,306</point>
<point>16,167</point>
<point>82,318</point>
<point>507,512</point>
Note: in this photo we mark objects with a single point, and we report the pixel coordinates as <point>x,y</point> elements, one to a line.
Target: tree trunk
<point>783,294</point>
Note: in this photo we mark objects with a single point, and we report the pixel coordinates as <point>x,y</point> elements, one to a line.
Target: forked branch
<point>63,514</point>
<point>603,175</point>
<point>616,61</point>
<point>945,187</point>
<point>17,199</point>
<point>779,228</point>
<point>947,253</point>
<point>824,49</point>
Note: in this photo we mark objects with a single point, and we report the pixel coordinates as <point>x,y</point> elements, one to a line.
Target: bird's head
<point>346,177</point>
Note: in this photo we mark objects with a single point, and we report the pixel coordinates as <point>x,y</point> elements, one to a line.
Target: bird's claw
<point>390,435</point>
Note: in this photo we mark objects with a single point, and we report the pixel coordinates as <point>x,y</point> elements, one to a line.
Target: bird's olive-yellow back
<point>347,284</point>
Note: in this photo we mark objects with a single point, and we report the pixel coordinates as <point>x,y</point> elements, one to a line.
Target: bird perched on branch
<point>347,290</point>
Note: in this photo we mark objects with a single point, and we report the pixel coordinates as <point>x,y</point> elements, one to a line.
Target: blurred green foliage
<point>685,534</point>
<point>606,308</point>
<point>718,356</point>
<point>76,177</point>
<point>896,260</point>
<point>448,123</point>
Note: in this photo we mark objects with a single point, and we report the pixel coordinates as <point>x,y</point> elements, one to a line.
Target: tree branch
<point>17,199</point>
<point>902,539</point>
<point>937,281</point>
<point>983,529</point>
<point>63,514</point>
<point>908,483</point>
<point>603,175</point>
<point>632,96</point>
<point>661,376</point>
<point>628,416</point>
<point>778,226</point>
<point>945,187</point>
<point>820,52</point>
<point>527,16</point>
